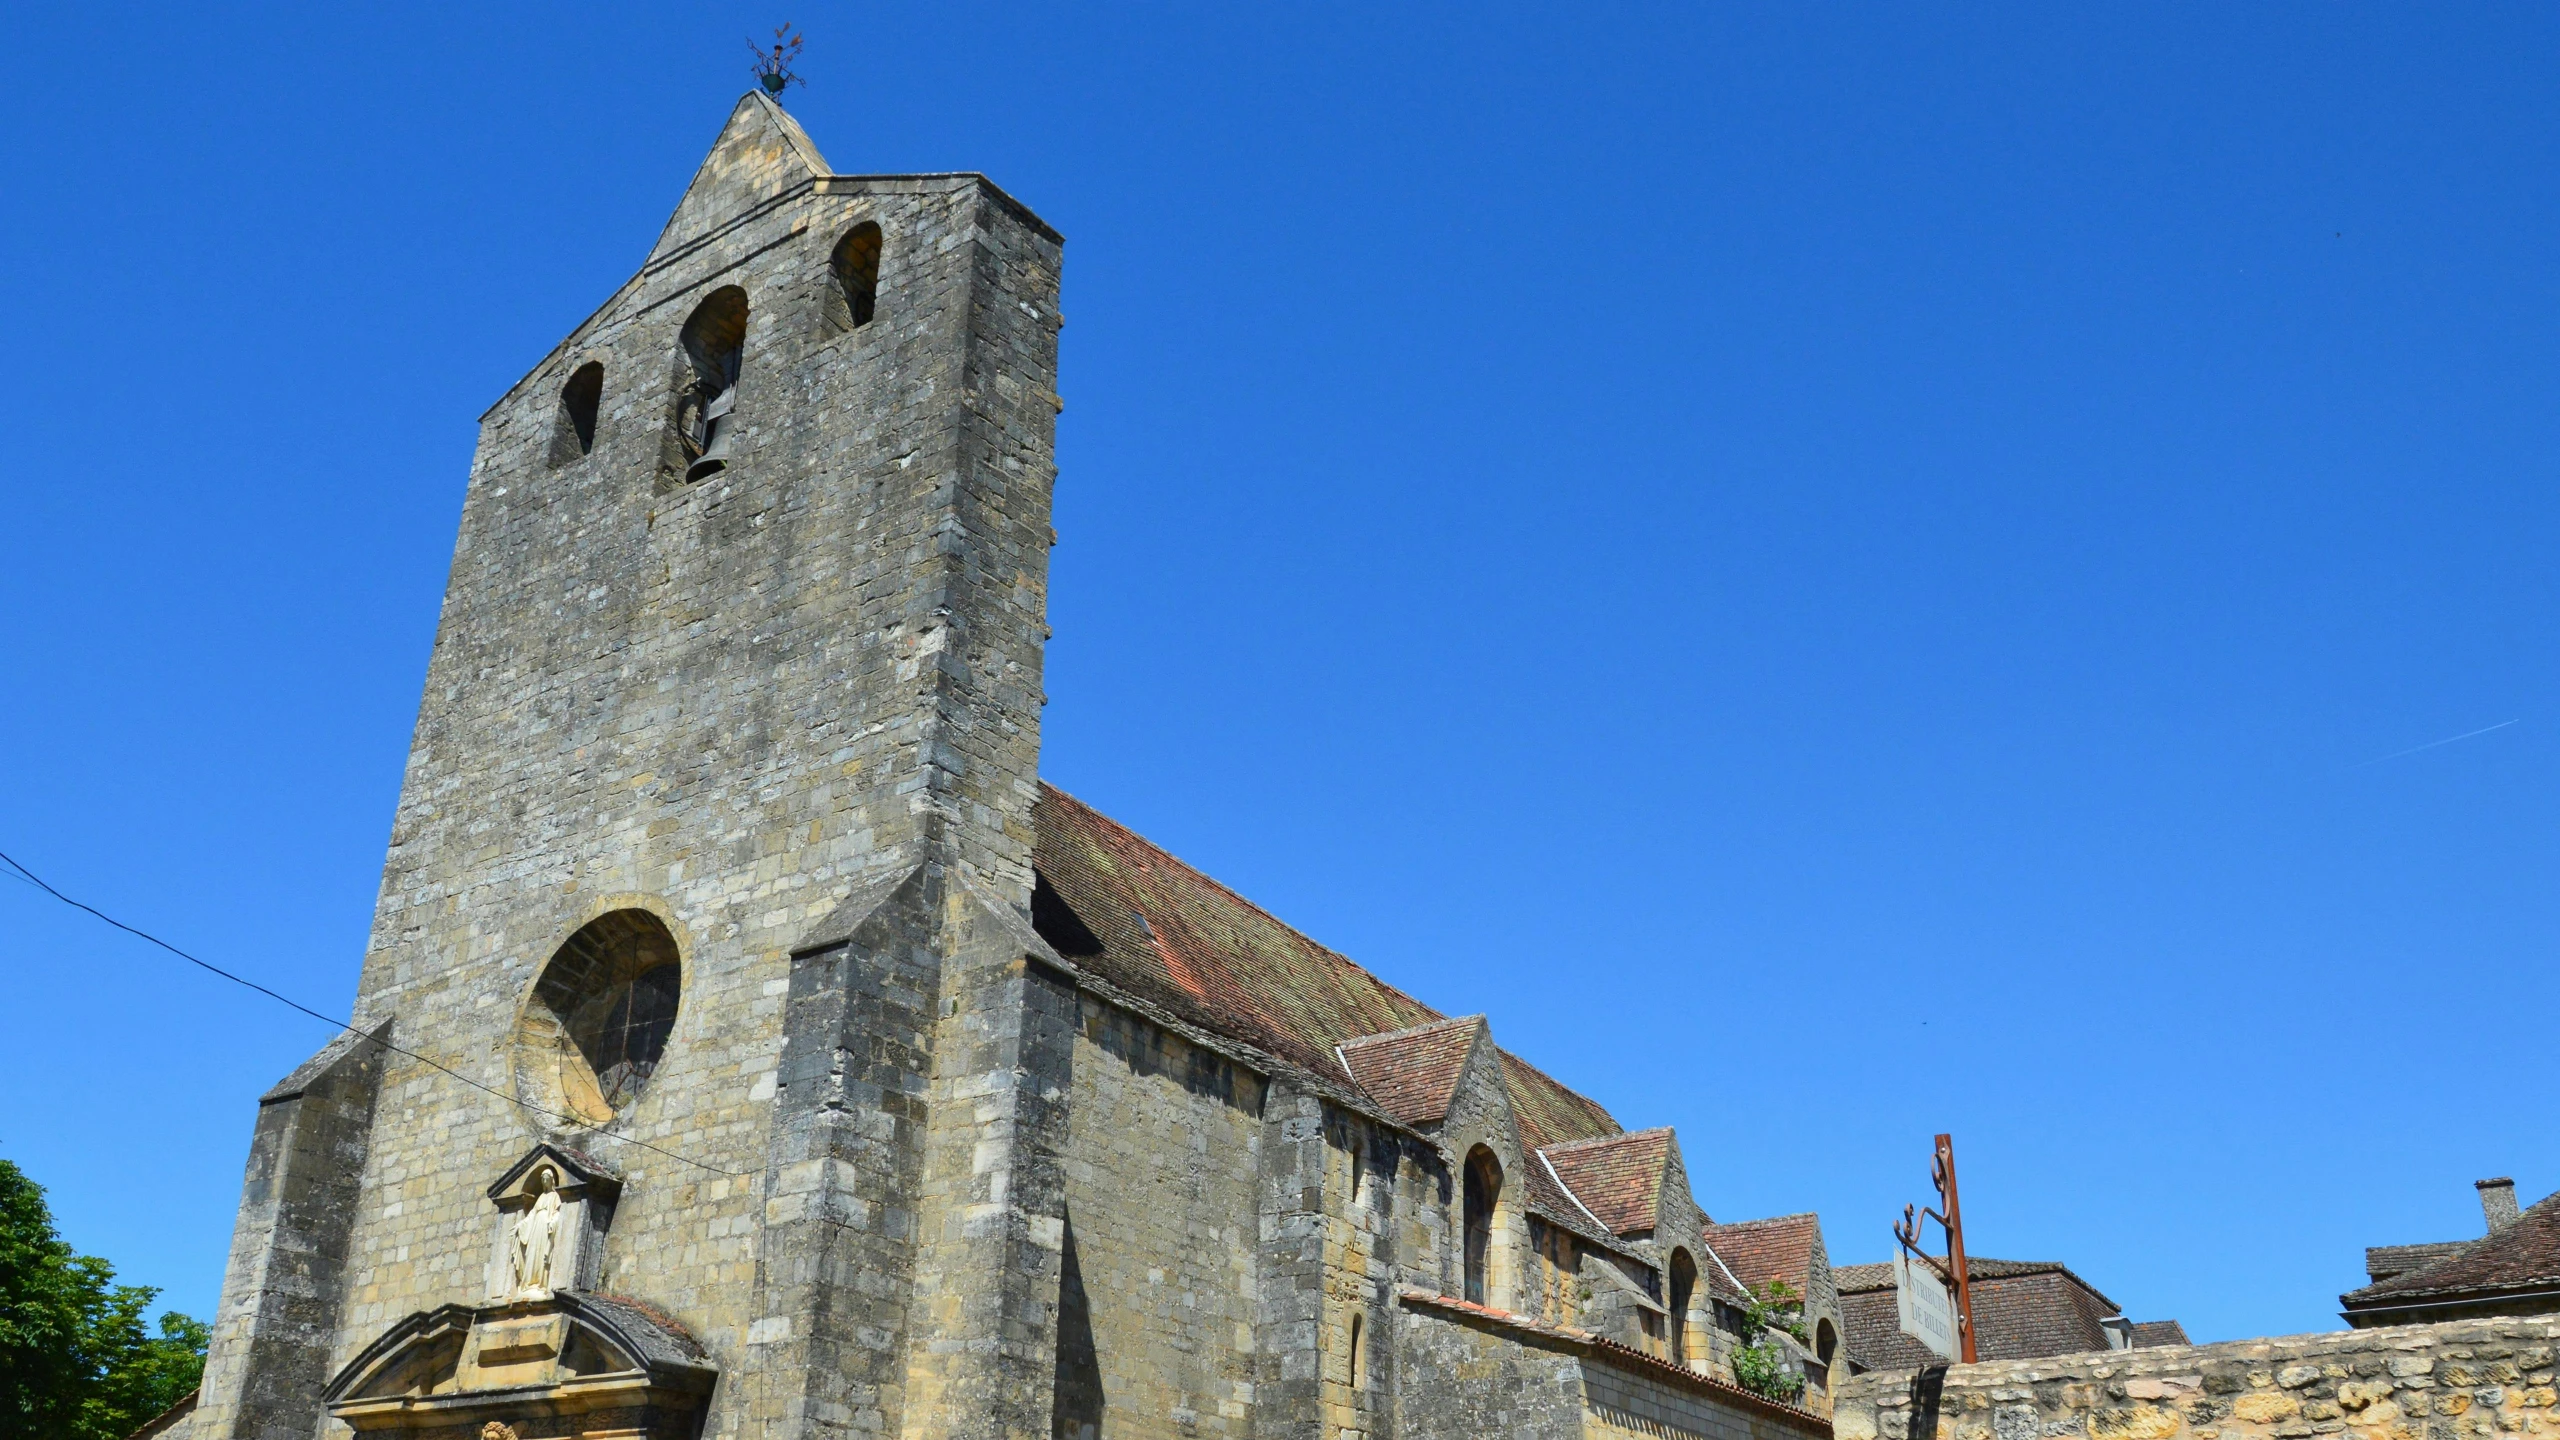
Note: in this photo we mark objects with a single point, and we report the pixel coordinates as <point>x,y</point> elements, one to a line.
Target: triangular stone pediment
<point>576,1174</point>
<point>761,153</point>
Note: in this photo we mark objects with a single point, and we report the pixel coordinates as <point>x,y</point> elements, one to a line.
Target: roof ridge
<point>1768,1219</point>
<point>2038,1267</point>
<point>2403,1282</point>
<point>1618,1139</point>
<point>1513,1059</point>
<point>1382,1036</point>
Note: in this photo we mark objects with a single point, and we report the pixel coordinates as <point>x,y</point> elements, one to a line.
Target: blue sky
<point>1841,571</point>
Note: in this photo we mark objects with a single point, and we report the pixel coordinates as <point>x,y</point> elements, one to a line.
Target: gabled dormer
<point>1447,1080</point>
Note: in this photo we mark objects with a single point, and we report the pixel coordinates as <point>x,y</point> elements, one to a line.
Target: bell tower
<point>710,871</point>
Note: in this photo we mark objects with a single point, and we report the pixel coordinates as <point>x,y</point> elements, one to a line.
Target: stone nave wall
<point>2458,1380</point>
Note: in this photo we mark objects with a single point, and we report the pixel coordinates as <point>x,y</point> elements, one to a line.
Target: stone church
<point>751,1044</point>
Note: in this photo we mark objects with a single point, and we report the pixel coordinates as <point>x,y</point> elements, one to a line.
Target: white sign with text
<point>1921,1302</point>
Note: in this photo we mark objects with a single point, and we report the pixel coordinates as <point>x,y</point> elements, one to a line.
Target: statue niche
<point>554,1206</point>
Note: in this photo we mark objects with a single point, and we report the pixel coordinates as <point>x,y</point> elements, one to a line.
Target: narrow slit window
<point>1483,1187</point>
<point>857,275</point>
<point>1684,1289</point>
<point>573,431</point>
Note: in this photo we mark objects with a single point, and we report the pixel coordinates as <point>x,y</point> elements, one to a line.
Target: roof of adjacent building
<point>1618,1178</point>
<point>2153,1334</point>
<point>2523,1254</point>
<point>1149,925</point>
<point>1875,1337</point>
<point>2022,1310</point>
<point>2381,1262</point>
<point>1851,1278</point>
<point>1977,1268</point>
<point>167,1420</point>
<point>1778,1248</point>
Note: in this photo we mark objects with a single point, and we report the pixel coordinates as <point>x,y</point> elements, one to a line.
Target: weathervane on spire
<point>773,67</point>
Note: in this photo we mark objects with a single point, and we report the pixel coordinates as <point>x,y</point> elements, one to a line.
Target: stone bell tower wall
<point>806,683</point>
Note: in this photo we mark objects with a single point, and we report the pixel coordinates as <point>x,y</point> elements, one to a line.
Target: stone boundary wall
<point>1625,1400</point>
<point>2456,1380</point>
<point>1470,1372</point>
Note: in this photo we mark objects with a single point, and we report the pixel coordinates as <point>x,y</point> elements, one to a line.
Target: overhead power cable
<point>38,881</point>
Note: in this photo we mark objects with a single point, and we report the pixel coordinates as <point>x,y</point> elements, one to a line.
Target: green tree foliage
<point>76,1360</point>
<point>1761,1365</point>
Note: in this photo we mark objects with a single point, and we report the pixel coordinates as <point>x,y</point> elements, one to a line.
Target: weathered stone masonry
<point>2463,1380</point>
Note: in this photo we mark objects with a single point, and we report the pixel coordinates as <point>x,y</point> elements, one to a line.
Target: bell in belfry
<point>714,437</point>
<point>714,340</point>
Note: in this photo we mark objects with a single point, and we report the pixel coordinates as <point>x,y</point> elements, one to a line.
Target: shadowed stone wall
<point>1160,1205</point>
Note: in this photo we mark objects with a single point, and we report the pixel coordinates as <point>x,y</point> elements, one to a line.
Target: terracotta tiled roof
<point>2049,1312</point>
<point>2151,1334</point>
<point>167,1420</point>
<point>1852,1278</point>
<point>1548,1197</point>
<point>1548,1200</point>
<point>1874,1330</point>
<point>1413,1074</point>
<point>2022,1310</point>
<point>1149,925</point>
<point>1977,1268</point>
<point>1617,1177</point>
<point>1548,1113</point>
<point>2524,1254</point>
<point>1778,1248</point>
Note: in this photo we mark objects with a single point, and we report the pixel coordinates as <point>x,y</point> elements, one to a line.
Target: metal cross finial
<point>773,67</point>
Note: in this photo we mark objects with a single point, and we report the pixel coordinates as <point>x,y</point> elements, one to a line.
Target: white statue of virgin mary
<point>536,1240</point>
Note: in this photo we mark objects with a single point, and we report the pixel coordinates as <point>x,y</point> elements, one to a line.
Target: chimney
<point>2497,1202</point>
